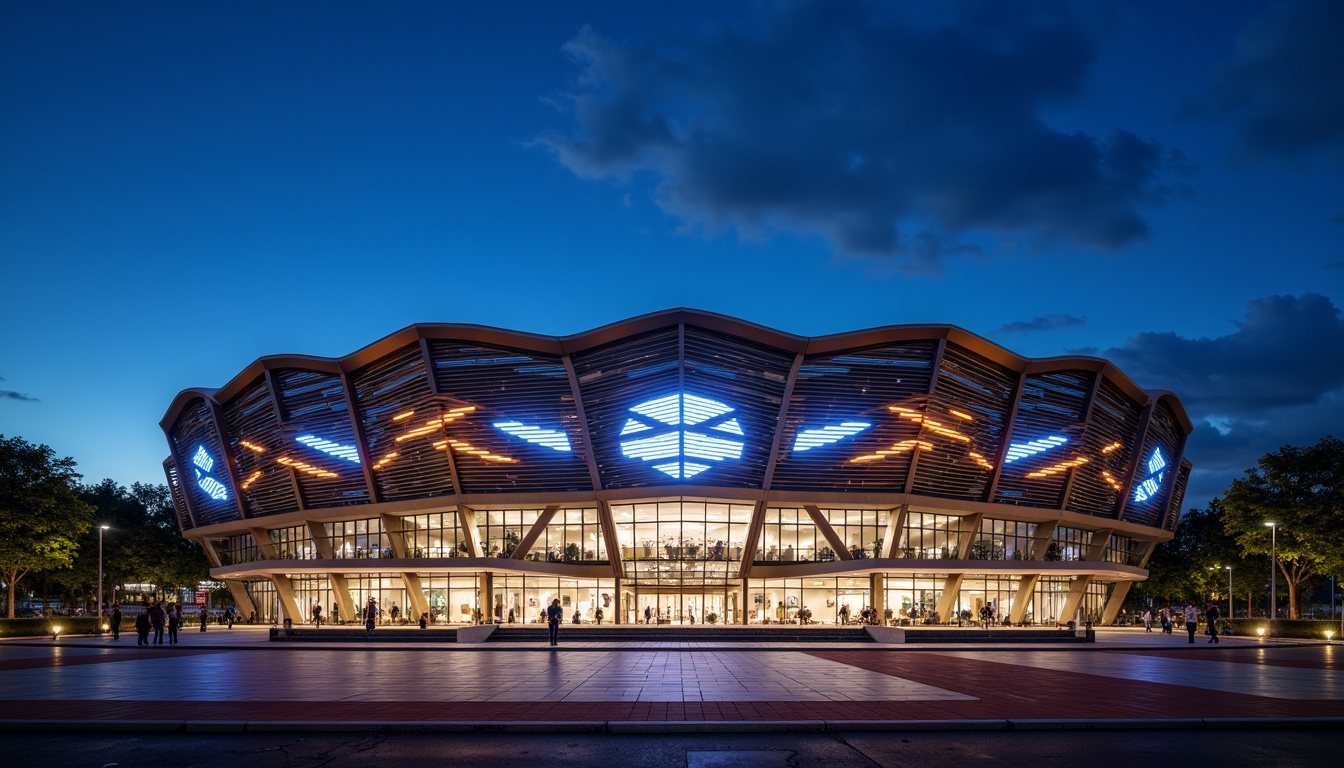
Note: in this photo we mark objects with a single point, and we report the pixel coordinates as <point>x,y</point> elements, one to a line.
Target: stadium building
<point>684,466</point>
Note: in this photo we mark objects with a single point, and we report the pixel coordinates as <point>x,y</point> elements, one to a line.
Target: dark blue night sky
<point>185,187</point>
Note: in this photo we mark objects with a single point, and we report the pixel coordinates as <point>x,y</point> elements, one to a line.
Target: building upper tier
<point>676,403</point>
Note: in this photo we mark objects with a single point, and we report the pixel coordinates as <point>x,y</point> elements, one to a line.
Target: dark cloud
<point>1285,352</point>
<point>1277,380</point>
<point>889,136</point>
<point>1284,85</point>
<point>6,394</point>
<point>1046,323</point>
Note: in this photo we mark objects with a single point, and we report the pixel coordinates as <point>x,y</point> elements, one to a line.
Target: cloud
<point>889,136</point>
<point>1277,380</point>
<point>6,394</point>
<point>1282,84</point>
<point>1046,323</point>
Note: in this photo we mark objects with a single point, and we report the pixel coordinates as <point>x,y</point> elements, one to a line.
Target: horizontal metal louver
<point>750,379</point>
<point>321,445</point>
<point>179,500</point>
<point>256,441</point>
<point>1177,497</point>
<point>613,379</point>
<point>964,425</point>
<point>200,458</point>
<point>1109,441</point>
<point>523,433</point>
<point>403,425</point>
<point>1046,441</point>
<point>857,388</point>
<point>1158,467</point>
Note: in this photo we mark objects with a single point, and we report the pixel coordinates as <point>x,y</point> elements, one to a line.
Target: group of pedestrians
<point>1190,615</point>
<point>157,617</point>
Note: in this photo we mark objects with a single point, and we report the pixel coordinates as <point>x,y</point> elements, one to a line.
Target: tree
<point>1302,490</point>
<point>41,517</point>
<point>1191,566</point>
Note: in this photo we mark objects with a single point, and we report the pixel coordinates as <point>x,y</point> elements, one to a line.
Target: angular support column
<point>240,596</point>
<point>289,607</point>
<point>1117,599</point>
<point>415,595</point>
<point>877,595</point>
<point>1026,587</point>
<point>340,587</point>
<point>262,538</point>
<point>396,537</point>
<point>1040,542</point>
<point>1077,588</point>
<point>951,591</point>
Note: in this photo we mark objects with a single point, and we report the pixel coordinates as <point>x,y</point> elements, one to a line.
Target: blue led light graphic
<point>347,452</point>
<point>205,464</point>
<point>1022,450</point>
<point>551,438</point>
<point>667,419</point>
<point>808,439</point>
<point>1148,488</point>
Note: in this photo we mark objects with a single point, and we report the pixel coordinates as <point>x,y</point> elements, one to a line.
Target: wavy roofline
<point>712,321</point>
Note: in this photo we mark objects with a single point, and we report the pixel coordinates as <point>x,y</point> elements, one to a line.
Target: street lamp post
<point>1273,570</point>
<point>101,528</point>
<point>1229,591</point>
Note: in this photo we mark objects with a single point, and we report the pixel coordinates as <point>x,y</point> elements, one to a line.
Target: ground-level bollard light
<point>1329,633</point>
<point>55,631</point>
<point>1261,632</point>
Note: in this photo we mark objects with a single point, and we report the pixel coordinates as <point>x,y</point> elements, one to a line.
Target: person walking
<point>844,614</point>
<point>1191,620</point>
<point>370,615</point>
<point>205,617</point>
<point>317,615</point>
<point>142,628</point>
<point>157,617</point>
<point>1165,613</point>
<point>1211,615</point>
<point>174,622</point>
<point>394,613</point>
<point>114,621</point>
<point>1148,620</point>
<point>228,616</point>
<point>597,614</point>
<point>335,613</point>
<point>648,614</point>
<point>554,615</point>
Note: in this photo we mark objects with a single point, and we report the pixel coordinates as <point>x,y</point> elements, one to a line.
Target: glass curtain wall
<point>789,535</point>
<point>1094,600</point>
<point>1119,549</point>
<point>572,536</point>
<point>433,536</point>
<point>311,590</point>
<point>524,599</point>
<point>359,539</point>
<point>1047,604</point>
<point>930,536</point>
<point>452,598</point>
<point>997,592</point>
<point>1002,540</point>
<point>501,530</point>
<point>682,560</point>
<point>264,599</point>
<point>293,543</point>
<point>913,598</point>
<point>385,590</point>
<point>784,601</point>
<point>1068,544</point>
<point>238,548</point>
<point>861,529</point>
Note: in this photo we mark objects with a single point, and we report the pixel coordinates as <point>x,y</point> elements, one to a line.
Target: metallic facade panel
<point>320,438</point>
<point>1046,442</point>
<point>255,440</point>
<point>1112,431</point>
<point>398,415</point>
<point>965,423</point>
<point>522,430</point>
<point>1159,465</point>
<point>202,470</point>
<point>855,387</point>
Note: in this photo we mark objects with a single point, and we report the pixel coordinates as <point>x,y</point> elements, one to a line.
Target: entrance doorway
<point>653,604</point>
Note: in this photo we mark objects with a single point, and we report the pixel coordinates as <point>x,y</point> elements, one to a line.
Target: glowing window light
<point>808,439</point>
<point>404,415</point>
<point>960,415</point>
<point>387,459</point>
<point>1111,447</point>
<point>1060,467</point>
<point>305,467</point>
<point>252,478</point>
<point>680,410</point>
<point>550,438</point>
<point>433,426</point>
<point>464,447</point>
<point>1022,450</point>
<point>1148,488</point>
<point>252,446</point>
<point>348,452</point>
<point>903,446</point>
<point>937,426</point>
<point>978,459</point>
<point>203,459</point>
<point>1111,481</point>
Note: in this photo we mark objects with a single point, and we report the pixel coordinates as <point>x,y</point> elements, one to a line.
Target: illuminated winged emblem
<point>204,465</point>
<point>676,427</point>
<point>1156,470</point>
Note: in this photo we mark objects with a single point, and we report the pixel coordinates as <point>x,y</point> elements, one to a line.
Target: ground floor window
<point>524,599</point>
<point>814,600</point>
<point>452,598</point>
<point>264,599</point>
<point>913,598</point>
<point>978,593</point>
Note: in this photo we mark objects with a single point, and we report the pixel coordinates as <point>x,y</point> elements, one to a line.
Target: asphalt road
<point>1098,749</point>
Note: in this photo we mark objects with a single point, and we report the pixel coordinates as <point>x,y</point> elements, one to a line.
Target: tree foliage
<point>1193,565</point>
<point>1302,490</point>
<point>42,518</point>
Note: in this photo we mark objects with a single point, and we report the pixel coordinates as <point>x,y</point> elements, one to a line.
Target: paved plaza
<point>237,680</point>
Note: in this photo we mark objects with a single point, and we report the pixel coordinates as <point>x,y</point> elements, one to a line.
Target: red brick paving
<point>1273,657</point>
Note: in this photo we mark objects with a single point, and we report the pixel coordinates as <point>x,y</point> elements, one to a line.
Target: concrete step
<point>351,634</point>
<point>655,634</point>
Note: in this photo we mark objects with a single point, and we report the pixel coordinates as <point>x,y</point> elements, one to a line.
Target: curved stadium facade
<point>682,465</point>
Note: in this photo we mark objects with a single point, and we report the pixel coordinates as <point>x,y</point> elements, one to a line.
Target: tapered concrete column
<point>289,607</point>
<point>951,591</point>
<point>240,596</point>
<point>971,526</point>
<point>1077,588</point>
<point>877,594</point>
<point>415,595</point>
<point>1117,599</point>
<point>1025,591</point>
<point>340,588</point>
<point>1096,547</point>
<point>265,546</point>
<point>321,541</point>
<point>486,603</point>
<point>1040,542</point>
